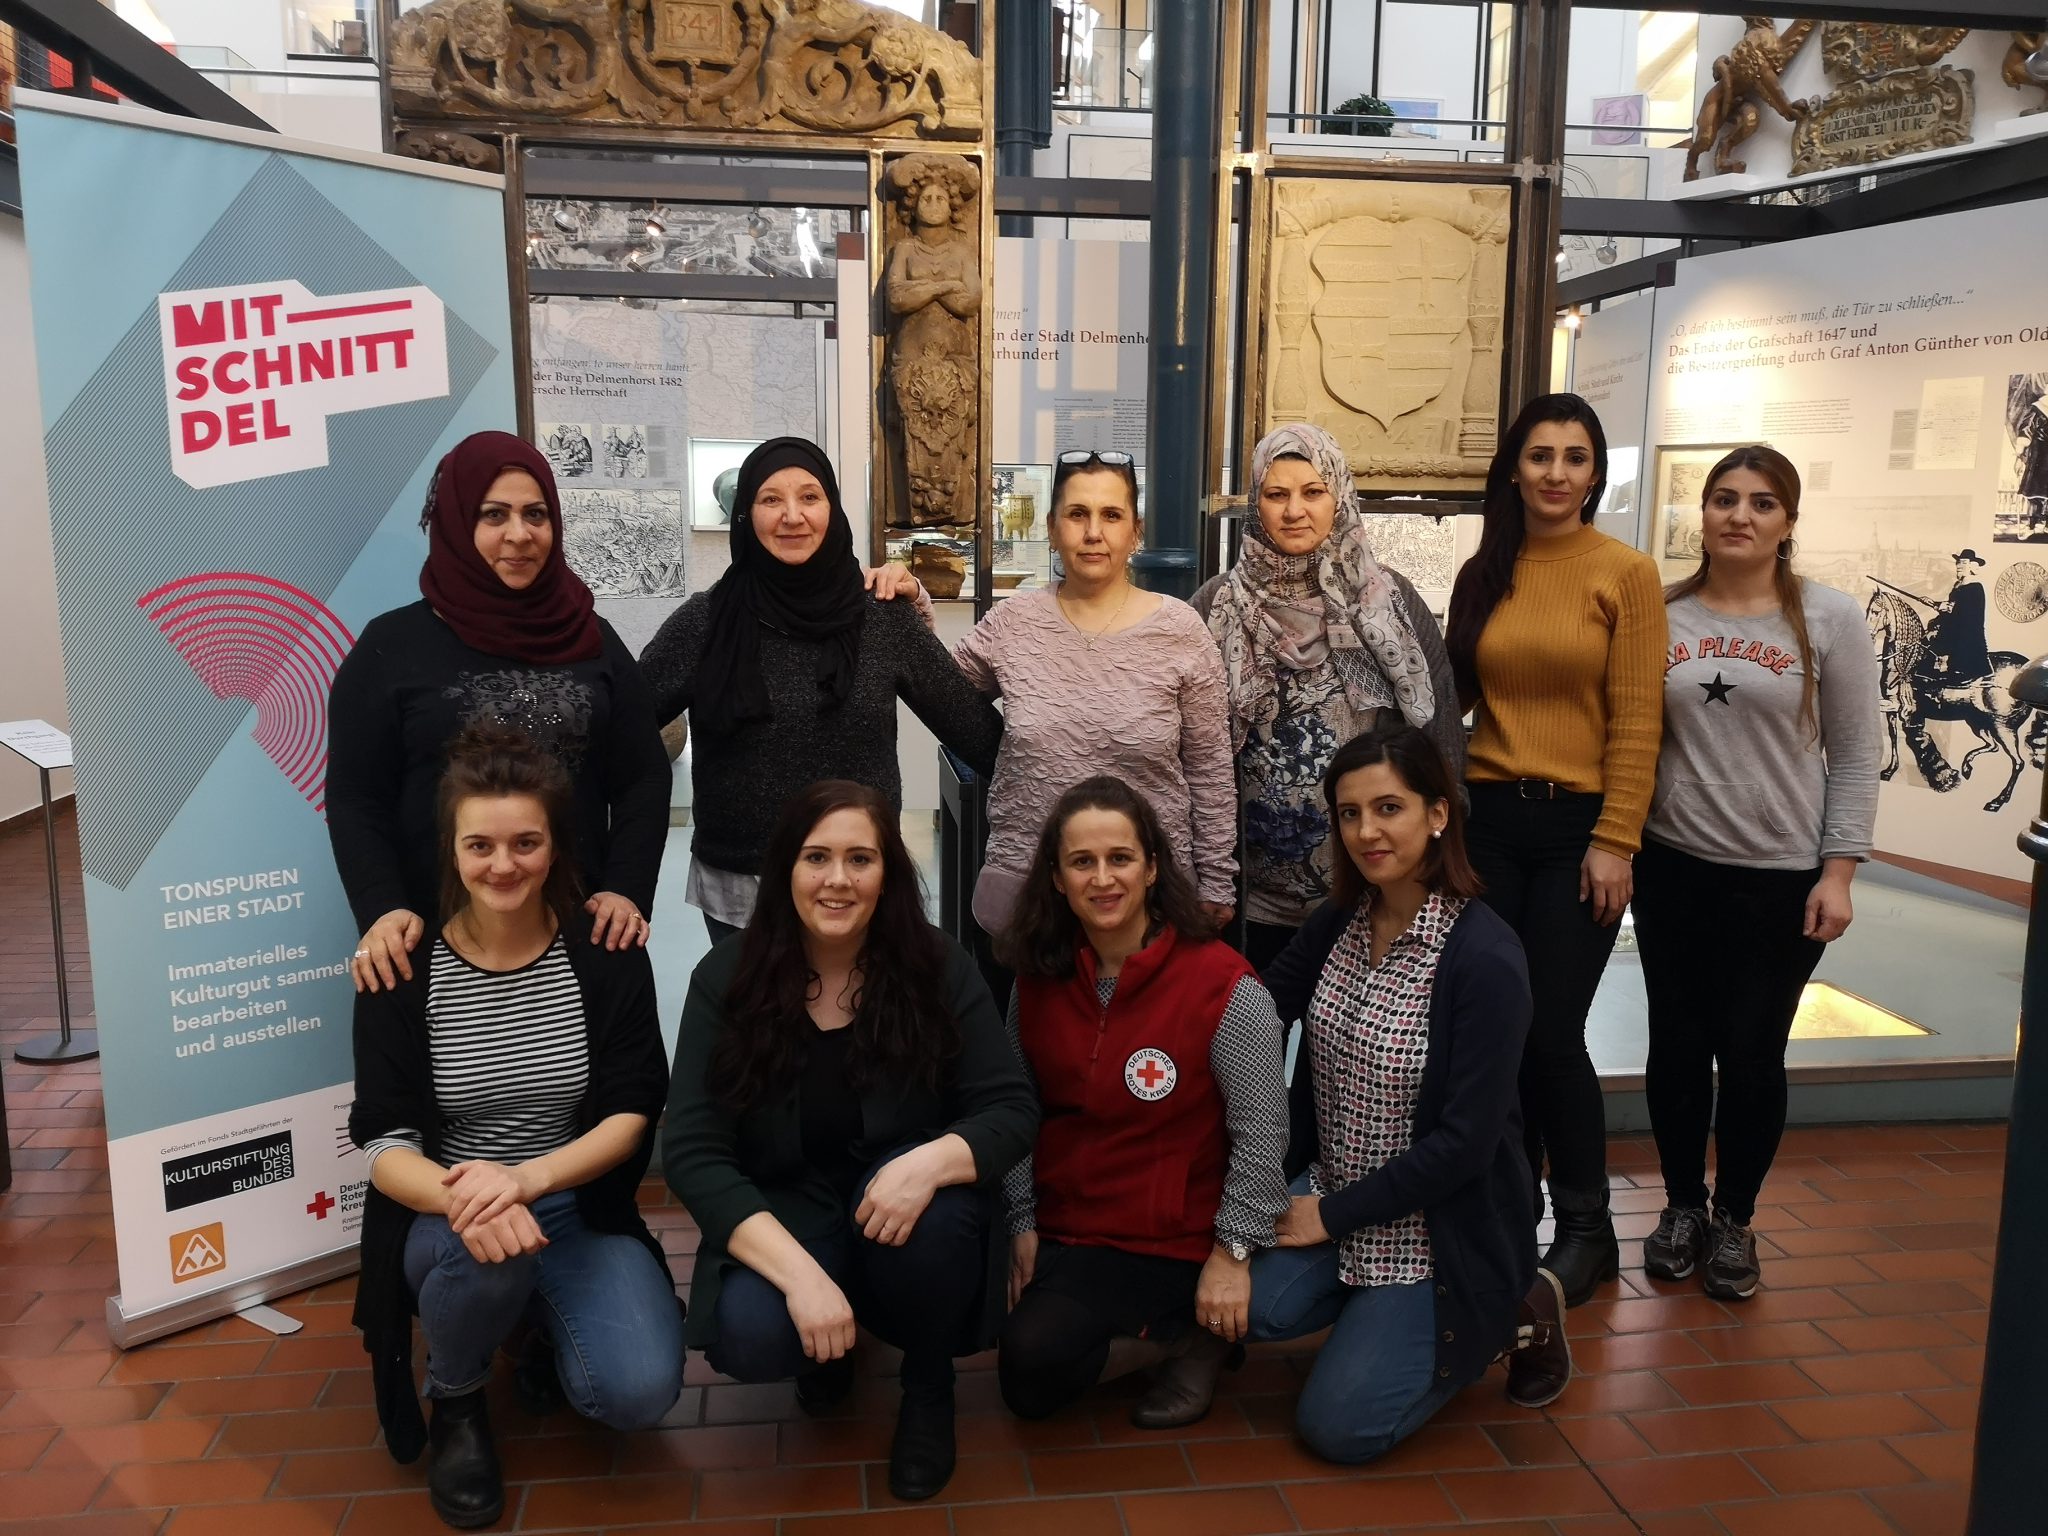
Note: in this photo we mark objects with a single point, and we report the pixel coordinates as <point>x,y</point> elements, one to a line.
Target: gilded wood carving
<point>1383,321</point>
<point>931,295</point>
<point>837,67</point>
<point>1745,74</point>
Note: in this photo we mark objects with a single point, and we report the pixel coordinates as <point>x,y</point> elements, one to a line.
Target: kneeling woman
<point>1157,1170</point>
<point>505,1097</point>
<point>843,1106</point>
<point>1410,1235</point>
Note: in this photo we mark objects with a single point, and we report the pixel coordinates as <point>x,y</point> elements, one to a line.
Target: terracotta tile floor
<point>1839,1401</point>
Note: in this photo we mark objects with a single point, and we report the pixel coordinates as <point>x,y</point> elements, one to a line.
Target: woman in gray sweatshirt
<point>1766,801</point>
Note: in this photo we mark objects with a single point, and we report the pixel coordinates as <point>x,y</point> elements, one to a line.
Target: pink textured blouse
<point>1147,704</point>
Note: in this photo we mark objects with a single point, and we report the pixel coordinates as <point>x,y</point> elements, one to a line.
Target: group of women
<point>1080,1142</point>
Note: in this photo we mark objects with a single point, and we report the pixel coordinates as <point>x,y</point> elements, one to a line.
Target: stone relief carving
<point>931,292</point>
<point>777,66</point>
<point>1747,72</point>
<point>446,148</point>
<point>1383,320</point>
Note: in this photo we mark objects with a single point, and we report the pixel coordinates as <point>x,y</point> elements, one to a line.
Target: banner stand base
<point>270,1320</point>
<point>126,1330</point>
<point>55,1050</point>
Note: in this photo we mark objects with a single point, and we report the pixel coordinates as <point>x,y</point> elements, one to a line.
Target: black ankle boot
<point>824,1387</point>
<point>921,1454</point>
<point>1584,1253</point>
<point>464,1483</point>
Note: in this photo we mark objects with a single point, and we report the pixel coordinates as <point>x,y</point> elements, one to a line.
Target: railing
<point>2012,1410</point>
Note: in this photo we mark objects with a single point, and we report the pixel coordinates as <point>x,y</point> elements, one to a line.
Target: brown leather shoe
<point>1540,1360</point>
<point>1184,1385</point>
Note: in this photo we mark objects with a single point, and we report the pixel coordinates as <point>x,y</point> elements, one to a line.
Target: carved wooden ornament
<point>835,67</point>
<point>1383,326</point>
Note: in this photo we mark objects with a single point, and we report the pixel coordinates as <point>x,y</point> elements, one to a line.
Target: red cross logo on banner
<point>321,1204</point>
<point>1150,1073</point>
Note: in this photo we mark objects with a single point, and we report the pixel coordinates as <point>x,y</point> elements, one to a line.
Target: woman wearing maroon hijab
<point>506,634</point>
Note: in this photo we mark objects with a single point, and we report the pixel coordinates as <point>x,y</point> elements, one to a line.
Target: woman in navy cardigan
<point>1410,1234</point>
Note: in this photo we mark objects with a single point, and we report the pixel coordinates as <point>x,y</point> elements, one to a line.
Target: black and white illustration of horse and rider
<point>1941,667</point>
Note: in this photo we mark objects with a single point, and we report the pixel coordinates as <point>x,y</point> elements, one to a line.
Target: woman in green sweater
<point>844,1106</point>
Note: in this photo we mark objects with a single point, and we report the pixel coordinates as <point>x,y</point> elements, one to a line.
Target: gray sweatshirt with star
<point>1742,779</point>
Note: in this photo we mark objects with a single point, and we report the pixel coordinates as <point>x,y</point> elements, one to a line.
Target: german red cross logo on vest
<point>1150,1073</point>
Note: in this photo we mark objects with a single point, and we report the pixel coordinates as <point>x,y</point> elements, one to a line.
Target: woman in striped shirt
<point>505,1098</point>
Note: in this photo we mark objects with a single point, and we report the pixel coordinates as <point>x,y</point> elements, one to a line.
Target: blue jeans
<point>923,1297</point>
<point>608,1306</point>
<point>1375,1379</point>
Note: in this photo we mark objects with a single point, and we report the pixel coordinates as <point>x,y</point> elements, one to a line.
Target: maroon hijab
<point>554,621</point>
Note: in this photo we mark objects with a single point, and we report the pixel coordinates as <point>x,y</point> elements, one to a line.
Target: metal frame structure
<point>714,181</point>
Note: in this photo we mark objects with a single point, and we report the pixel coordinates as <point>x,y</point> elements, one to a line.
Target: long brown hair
<point>1044,935</point>
<point>1447,868</point>
<point>490,762</point>
<point>1490,574</point>
<point>1783,480</point>
<point>902,1025</point>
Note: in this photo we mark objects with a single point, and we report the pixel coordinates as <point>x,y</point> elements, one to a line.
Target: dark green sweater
<point>726,1167</point>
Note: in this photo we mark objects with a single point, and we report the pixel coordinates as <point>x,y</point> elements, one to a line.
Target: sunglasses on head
<point>1110,458</point>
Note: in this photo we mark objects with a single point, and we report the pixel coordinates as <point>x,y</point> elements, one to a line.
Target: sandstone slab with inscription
<point>1383,317</point>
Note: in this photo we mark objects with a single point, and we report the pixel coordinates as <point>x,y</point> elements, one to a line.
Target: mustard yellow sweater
<point>1571,678</point>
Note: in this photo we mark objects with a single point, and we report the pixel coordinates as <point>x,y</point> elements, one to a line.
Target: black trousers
<point>1725,957</point>
<point>1528,851</point>
<point>1056,1339</point>
<point>923,1296</point>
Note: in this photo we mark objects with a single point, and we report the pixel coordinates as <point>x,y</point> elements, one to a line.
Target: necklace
<point>1093,635</point>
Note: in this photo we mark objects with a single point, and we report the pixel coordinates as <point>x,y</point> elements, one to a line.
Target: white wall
<point>32,673</point>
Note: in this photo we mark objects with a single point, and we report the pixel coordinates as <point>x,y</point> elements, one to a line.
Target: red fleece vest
<point>1131,1144</point>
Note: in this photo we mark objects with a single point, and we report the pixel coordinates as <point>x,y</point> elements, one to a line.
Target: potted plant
<point>1376,118</point>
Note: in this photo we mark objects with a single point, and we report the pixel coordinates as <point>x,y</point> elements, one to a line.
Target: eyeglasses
<point>1111,458</point>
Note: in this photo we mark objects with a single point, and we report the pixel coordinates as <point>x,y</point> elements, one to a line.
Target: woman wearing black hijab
<point>505,634</point>
<point>790,673</point>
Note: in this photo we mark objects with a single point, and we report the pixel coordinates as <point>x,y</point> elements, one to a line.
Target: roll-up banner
<point>252,353</point>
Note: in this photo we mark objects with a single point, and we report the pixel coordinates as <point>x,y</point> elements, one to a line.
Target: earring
<point>1787,548</point>
<point>1436,832</point>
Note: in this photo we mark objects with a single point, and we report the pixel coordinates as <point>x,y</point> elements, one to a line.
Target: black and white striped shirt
<point>510,1059</point>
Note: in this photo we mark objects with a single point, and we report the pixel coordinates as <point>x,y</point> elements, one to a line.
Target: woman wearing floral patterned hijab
<point>1317,639</point>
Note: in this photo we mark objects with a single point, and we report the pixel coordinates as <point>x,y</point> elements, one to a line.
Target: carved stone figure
<point>931,290</point>
<point>783,66</point>
<point>445,148</point>
<point>2015,72</point>
<point>1383,325</point>
<point>1750,69</point>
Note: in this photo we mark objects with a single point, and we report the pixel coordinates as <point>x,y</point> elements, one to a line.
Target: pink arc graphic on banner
<point>257,638</point>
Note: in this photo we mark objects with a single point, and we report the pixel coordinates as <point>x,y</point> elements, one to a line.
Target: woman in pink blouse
<point>1100,677</point>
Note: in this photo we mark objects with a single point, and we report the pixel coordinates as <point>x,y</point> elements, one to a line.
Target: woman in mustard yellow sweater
<point>1557,640</point>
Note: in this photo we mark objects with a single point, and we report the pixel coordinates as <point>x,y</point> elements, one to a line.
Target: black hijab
<point>824,599</point>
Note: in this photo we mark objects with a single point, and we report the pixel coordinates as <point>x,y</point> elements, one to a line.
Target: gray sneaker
<point>1674,1250</point>
<point>1732,1272</point>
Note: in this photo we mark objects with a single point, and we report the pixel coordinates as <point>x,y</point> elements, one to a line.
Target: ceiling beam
<point>1687,219</point>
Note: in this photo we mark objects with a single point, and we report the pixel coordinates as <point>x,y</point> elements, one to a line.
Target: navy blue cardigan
<point>1465,1168</point>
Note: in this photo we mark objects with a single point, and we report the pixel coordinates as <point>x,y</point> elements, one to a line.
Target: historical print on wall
<point>1680,485</point>
<point>2020,515</point>
<point>1383,325</point>
<point>625,543</point>
<point>570,448</point>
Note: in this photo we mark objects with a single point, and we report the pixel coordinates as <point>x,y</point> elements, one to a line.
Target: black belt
<point>1530,789</point>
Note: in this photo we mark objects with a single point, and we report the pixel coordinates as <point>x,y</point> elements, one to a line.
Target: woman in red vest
<point>1157,1169</point>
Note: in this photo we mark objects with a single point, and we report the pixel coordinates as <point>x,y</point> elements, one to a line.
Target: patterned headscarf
<point>1334,603</point>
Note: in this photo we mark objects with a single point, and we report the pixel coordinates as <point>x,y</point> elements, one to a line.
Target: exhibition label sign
<point>241,417</point>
